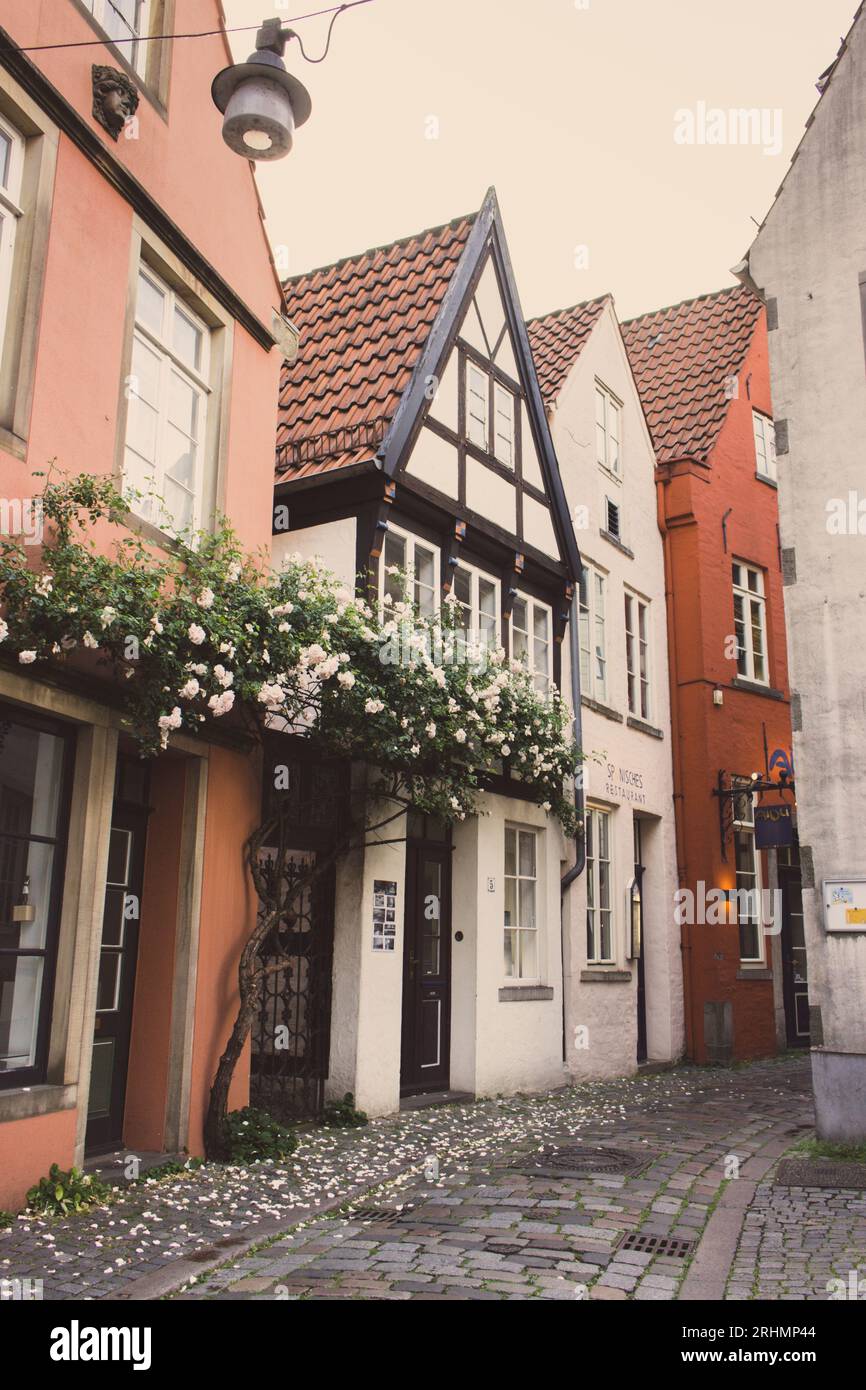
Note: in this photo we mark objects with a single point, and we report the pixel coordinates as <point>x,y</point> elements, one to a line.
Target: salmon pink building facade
<point>142,337</point>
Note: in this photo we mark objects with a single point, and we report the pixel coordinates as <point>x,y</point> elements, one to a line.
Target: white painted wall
<point>333,543</point>
<point>810,257</point>
<point>617,752</point>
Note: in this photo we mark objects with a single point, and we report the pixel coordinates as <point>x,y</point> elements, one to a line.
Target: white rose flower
<point>205,598</point>
<point>190,690</point>
<point>346,679</point>
<point>26,658</point>
<point>107,616</point>
<point>90,641</point>
<point>196,634</point>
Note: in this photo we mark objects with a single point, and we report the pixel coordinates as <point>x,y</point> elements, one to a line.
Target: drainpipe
<point>579,797</point>
<point>673,665</point>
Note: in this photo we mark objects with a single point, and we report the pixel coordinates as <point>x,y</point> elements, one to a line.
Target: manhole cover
<point>657,1245</point>
<point>578,1161</point>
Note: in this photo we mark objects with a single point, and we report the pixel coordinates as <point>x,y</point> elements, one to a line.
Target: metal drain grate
<point>379,1216</point>
<point>578,1161</point>
<point>657,1245</point>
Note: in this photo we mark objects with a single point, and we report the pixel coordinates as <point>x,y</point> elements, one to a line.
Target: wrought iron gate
<point>291,1032</point>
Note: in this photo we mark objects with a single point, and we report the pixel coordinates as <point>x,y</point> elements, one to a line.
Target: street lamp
<point>261,102</point>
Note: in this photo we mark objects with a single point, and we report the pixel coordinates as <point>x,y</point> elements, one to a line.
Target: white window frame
<point>744,597</point>
<point>134,52</point>
<point>542,674</point>
<point>151,508</point>
<point>638,653</point>
<point>476,576</point>
<point>412,542</point>
<point>608,430</point>
<point>11,212</point>
<point>478,420</point>
<point>744,825</point>
<point>482,431</point>
<point>765,446</point>
<point>504,442</point>
<point>517,929</point>
<point>592,621</point>
<point>595,816</point>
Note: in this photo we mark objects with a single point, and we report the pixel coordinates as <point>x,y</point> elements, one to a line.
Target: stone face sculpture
<point>115,99</point>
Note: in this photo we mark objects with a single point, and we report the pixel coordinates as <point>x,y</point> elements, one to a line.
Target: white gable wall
<point>629,769</point>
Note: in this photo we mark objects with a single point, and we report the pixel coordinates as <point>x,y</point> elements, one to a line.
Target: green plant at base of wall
<point>62,1192</point>
<point>341,1114</point>
<point>252,1134</point>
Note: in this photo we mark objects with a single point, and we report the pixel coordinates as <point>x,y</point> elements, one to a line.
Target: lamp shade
<point>262,104</point>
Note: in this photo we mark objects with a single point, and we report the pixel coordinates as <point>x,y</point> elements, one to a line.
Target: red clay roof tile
<point>682,358</point>
<point>363,323</point>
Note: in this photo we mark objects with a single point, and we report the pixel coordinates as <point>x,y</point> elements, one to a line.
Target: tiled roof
<point>363,324</point>
<point>681,358</point>
<point>557,340</point>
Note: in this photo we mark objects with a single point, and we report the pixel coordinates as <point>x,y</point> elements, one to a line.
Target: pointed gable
<point>363,323</point>
<point>682,359</point>
<point>557,341</point>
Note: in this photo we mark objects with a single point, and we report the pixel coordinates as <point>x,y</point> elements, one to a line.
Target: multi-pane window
<point>521,904</point>
<point>748,869</point>
<point>608,429</point>
<point>490,411</point>
<point>32,778</point>
<point>503,434</point>
<point>168,393</point>
<point>765,445</point>
<point>11,171</point>
<point>477,405</point>
<point>637,655</point>
<point>593,651</point>
<point>750,622</point>
<point>126,23</point>
<point>477,607</point>
<point>530,640</point>
<point>410,565</point>
<point>599,912</point>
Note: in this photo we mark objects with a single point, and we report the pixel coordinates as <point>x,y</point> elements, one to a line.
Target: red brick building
<point>702,371</point>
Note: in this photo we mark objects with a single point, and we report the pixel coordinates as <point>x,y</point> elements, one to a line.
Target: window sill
<point>754,972</point>
<point>756,688</point>
<point>643,727</point>
<point>614,540</point>
<point>515,994</point>
<point>24,1102</point>
<point>770,482</point>
<point>605,710</point>
<point>600,975</point>
<point>12,443</point>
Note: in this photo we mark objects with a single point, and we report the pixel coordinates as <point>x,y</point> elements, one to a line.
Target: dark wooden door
<point>426,1042</point>
<point>795,974</point>
<point>116,986</point>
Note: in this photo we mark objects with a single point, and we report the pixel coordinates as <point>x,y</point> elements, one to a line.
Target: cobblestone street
<point>653,1188</point>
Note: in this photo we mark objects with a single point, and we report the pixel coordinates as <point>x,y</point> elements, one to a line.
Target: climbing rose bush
<point>207,635</point>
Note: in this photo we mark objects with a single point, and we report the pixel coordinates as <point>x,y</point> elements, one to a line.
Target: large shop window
<point>599,896</point>
<point>166,442</point>
<point>34,775</point>
<point>521,904</point>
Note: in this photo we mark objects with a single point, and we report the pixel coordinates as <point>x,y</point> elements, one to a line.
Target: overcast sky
<point>573,109</point>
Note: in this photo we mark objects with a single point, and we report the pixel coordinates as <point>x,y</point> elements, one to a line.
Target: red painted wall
<point>731,737</point>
